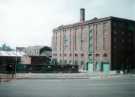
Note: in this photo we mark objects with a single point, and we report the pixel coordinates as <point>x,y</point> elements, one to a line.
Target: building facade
<point>36,55</point>
<point>36,58</point>
<point>95,45</point>
<point>9,59</point>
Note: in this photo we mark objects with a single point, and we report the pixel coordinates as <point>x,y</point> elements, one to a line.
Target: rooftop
<point>94,20</point>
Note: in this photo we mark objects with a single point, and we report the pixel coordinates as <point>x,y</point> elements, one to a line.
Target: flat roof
<point>94,20</point>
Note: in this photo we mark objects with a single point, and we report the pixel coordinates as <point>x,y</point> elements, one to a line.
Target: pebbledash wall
<point>90,44</point>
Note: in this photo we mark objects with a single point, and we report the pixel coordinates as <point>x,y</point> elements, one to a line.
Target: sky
<point>30,22</point>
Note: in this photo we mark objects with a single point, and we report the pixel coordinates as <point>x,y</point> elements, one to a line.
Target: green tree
<point>5,47</point>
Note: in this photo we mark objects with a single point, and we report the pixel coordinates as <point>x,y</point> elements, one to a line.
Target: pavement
<point>97,75</point>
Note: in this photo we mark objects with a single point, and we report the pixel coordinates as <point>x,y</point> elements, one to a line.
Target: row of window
<point>122,33</point>
<point>76,62</point>
<point>104,55</point>
<point>122,24</point>
<point>115,40</point>
<point>69,54</point>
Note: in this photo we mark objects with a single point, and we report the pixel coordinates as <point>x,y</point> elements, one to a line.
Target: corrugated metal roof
<point>11,53</point>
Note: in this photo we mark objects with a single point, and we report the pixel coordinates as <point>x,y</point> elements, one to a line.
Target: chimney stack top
<point>82,14</point>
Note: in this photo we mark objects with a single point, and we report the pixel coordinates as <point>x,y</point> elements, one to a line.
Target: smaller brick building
<point>36,55</point>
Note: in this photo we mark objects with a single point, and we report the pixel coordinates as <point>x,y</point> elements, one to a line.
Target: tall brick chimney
<point>82,15</point>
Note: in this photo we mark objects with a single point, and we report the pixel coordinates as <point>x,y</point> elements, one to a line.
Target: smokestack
<point>82,15</point>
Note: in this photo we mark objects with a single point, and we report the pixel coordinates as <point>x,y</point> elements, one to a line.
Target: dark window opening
<point>76,54</point>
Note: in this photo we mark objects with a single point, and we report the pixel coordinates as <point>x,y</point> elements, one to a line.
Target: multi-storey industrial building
<point>97,44</point>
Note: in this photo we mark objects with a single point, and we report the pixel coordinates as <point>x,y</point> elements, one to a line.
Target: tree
<point>5,47</point>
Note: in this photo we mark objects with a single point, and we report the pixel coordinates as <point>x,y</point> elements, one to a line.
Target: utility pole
<point>16,61</point>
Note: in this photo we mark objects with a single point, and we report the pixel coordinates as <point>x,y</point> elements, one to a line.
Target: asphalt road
<point>115,87</point>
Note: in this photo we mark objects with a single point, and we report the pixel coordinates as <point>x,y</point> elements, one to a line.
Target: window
<point>76,54</point>
<point>60,61</point>
<point>65,61</point>
<point>122,40</point>
<point>54,54</point>
<point>114,46</point>
<point>76,62</point>
<point>90,54</point>
<point>114,24</point>
<point>114,32</point>
<point>65,54</point>
<point>122,33</point>
<point>82,55</point>
<point>90,57</point>
<point>115,40</point>
<point>70,61</point>
<point>82,62</point>
<point>130,27</point>
<point>104,55</point>
<point>97,55</point>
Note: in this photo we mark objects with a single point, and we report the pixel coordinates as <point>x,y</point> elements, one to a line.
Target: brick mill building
<point>99,44</point>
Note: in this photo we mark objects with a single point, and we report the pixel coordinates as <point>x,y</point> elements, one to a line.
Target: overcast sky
<point>30,22</point>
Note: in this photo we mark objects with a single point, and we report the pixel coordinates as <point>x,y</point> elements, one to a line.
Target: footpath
<point>97,75</point>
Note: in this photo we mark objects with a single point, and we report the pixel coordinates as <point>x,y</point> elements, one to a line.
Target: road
<point>115,87</point>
